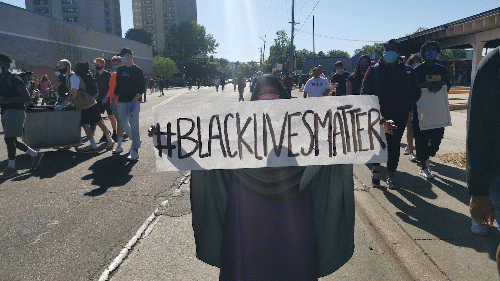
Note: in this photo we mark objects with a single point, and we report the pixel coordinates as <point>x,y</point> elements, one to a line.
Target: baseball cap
<point>125,51</point>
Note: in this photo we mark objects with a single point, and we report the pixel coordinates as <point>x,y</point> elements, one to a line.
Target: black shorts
<point>90,115</point>
<point>104,108</point>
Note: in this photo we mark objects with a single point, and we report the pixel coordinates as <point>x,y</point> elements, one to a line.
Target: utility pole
<point>314,51</point>
<point>292,52</point>
<point>261,55</point>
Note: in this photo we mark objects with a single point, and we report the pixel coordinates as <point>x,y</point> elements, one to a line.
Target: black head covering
<point>269,79</point>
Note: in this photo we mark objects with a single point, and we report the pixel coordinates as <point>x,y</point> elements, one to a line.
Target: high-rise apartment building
<point>99,15</point>
<point>156,16</point>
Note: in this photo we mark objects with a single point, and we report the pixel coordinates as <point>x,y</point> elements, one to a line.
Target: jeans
<point>129,122</point>
<point>394,141</point>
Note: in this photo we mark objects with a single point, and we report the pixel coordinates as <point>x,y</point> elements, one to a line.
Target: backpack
<point>82,69</point>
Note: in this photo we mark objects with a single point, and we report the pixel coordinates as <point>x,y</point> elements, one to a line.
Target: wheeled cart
<point>44,127</point>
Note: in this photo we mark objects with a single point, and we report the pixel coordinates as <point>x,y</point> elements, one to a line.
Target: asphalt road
<point>70,218</point>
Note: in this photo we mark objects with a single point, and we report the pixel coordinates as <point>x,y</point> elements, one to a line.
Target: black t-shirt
<point>129,82</point>
<point>341,79</point>
<point>102,81</point>
<point>356,83</point>
<point>432,73</point>
<point>7,91</point>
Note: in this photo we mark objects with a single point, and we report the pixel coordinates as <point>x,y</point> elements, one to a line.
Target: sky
<point>347,25</point>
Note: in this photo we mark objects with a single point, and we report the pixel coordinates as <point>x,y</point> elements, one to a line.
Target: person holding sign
<point>316,86</point>
<point>432,76</point>
<point>395,85</point>
<point>274,223</point>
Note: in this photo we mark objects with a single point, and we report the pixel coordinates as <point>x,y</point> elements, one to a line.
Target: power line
<point>344,39</point>
<point>308,16</point>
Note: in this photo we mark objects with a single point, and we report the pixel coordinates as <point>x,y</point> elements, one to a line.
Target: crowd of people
<point>118,94</point>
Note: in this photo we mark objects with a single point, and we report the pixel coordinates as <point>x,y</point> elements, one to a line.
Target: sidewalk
<point>425,224</point>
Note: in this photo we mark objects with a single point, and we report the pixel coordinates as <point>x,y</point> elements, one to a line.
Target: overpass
<point>476,32</point>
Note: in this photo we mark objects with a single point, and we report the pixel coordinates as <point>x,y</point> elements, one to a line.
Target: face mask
<point>390,57</point>
<point>431,54</point>
<point>115,68</point>
<point>413,65</point>
<point>123,59</point>
<point>58,73</point>
<point>338,70</point>
<point>62,71</point>
<point>98,68</point>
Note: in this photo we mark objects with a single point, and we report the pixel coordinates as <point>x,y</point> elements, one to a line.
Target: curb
<point>459,106</point>
<point>409,254</point>
<point>145,227</point>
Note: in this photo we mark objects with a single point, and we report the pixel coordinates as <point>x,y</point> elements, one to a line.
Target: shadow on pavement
<point>109,172</point>
<point>457,190</point>
<point>443,223</point>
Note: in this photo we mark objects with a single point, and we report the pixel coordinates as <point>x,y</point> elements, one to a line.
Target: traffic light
<point>238,64</point>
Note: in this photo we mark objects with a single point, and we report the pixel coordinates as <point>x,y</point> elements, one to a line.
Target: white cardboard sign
<point>269,133</point>
<point>433,109</point>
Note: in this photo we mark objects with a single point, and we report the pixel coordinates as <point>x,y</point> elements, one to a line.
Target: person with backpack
<point>81,94</point>
<point>395,84</point>
<point>13,95</point>
<point>102,77</point>
<point>129,88</point>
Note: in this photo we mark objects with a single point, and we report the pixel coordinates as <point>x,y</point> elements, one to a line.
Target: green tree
<point>338,54</point>
<point>420,29</point>
<point>452,54</point>
<point>278,52</point>
<point>139,35</point>
<point>321,54</point>
<point>188,39</point>
<point>370,49</point>
<point>164,67</point>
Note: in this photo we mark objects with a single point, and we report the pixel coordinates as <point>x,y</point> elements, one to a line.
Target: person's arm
<point>112,86</point>
<point>367,85</point>
<point>140,85</point>
<point>348,88</point>
<point>75,85</point>
<point>415,90</point>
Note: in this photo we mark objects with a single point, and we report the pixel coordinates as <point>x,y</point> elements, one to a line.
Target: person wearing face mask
<point>432,76</point>
<point>112,99</point>
<point>13,95</point>
<point>413,61</point>
<point>129,88</point>
<point>102,78</point>
<point>354,80</point>
<point>396,86</point>
<point>270,223</point>
<point>339,79</point>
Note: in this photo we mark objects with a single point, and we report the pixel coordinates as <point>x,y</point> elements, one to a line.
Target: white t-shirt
<point>75,82</point>
<point>315,87</point>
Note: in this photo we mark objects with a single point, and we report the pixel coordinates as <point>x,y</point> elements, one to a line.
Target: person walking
<point>112,99</point>
<point>413,61</point>
<point>483,152</point>
<point>395,85</point>
<point>216,83</point>
<point>316,86</point>
<point>79,83</point>
<point>161,85</point>
<point>339,79</point>
<point>241,87</point>
<point>222,83</point>
<point>432,76</point>
<point>13,95</point>
<point>102,77</point>
<point>129,88</point>
<point>288,83</point>
<point>355,79</point>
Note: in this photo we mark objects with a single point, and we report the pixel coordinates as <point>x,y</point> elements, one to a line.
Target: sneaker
<point>114,137</point>
<point>89,149</point>
<point>428,164</point>
<point>376,178</point>
<point>118,150</point>
<point>412,157</point>
<point>134,155</point>
<point>110,145</point>
<point>407,151</point>
<point>426,174</point>
<point>35,161</point>
<point>391,182</point>
<point>8,173</point>
<point>478,228</point>
<point>103,139</point>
